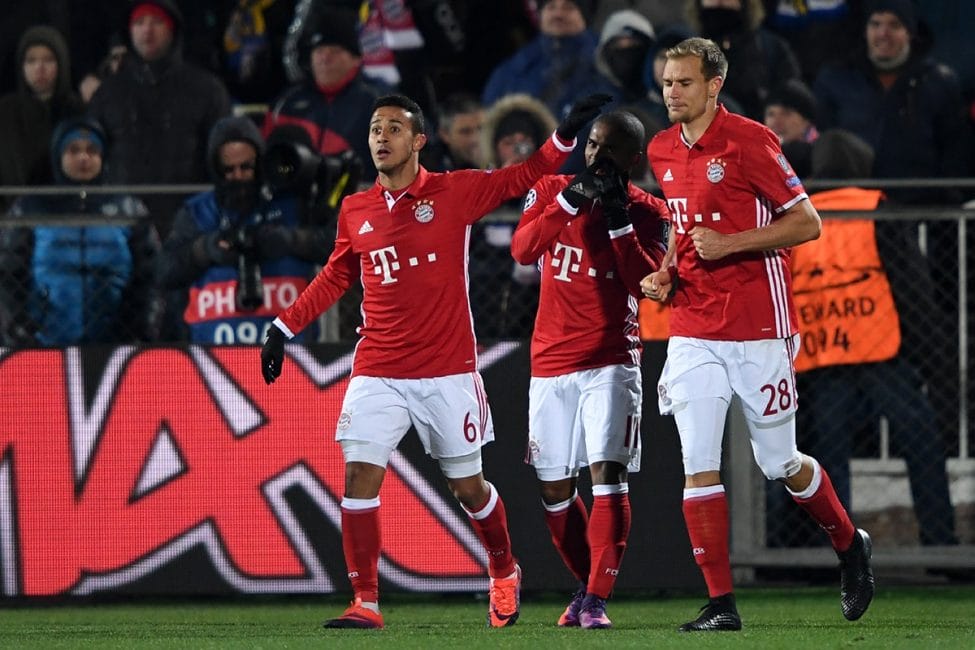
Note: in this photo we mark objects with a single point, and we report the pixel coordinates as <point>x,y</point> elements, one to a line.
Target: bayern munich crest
<point>715,171</point>
<point>423,211</point>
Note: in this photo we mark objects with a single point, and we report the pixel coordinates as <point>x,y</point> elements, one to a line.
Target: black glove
<point>586,186</point>
<point>274,242</point>
<point>615,201</point>
<point>219,249</point>
<point>272,355</point>
<point>581,113</point>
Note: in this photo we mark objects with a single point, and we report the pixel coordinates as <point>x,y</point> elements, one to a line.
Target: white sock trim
<point>487,509</point>
<point>359,504</point>
<point>698,492</point>
<point>609,489</point>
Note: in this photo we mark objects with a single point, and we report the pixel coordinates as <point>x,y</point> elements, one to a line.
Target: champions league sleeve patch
<point>530,199</point>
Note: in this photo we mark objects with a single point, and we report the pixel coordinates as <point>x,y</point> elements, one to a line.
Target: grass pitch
<point>900,617</point>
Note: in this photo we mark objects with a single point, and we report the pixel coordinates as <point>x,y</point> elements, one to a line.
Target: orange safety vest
<point>654,318</point>
<point>846,310</point>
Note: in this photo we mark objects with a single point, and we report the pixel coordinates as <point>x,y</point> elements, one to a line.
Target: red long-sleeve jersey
<point>587,310</point>
<point>410,249</point>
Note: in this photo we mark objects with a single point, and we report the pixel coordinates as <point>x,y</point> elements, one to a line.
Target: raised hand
<point>582,112</point>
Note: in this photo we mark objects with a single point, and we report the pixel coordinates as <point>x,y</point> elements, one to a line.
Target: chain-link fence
<point>885,397</point>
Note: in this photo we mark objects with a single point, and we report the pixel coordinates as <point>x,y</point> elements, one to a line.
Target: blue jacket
<point>555,70</point>
<point>68,285</point>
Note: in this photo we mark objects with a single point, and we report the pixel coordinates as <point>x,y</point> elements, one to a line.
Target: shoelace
<point>502,595</point>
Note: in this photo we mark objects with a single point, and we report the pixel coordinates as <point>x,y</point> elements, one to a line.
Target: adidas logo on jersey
<point>668,176</point>
<point>366,227</point>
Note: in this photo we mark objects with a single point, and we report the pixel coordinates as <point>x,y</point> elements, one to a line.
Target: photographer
<point>243,251</point>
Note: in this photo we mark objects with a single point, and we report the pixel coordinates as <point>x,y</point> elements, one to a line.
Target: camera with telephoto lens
<point>291,165</point>
<point>249,291</point>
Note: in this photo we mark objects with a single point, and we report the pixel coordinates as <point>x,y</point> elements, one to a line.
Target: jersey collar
<point>720,116</point>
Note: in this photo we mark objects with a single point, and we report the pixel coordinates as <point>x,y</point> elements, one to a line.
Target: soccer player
<point>737,207</point>
<point>597,235</point>
<point>415,363</point>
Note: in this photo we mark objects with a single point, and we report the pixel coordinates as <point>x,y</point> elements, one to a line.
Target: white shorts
<point>697,384</point>
<point>759,372</point>
<point>584,417</point>
<point>451,414</point>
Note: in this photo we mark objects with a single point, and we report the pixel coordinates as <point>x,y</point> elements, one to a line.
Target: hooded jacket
<point>88,283</point>
<point>621,23</point>
<point>211,312</point>
<point>537,113</point>
<point>26,122</point>
<point>157,116</point>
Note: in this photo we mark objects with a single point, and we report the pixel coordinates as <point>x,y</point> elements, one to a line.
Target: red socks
<point>569,528</point>
<point>361,543</point>
<point>491,525</point>
<point>609,526</point>
<point>822,504</point>
<point>706,515</point>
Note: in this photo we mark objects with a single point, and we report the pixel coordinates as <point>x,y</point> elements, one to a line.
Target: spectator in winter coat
<point>334,103</point>
<point>87,283</point>
<point>905,105</point>
<point>158,109</point>
<point>27,116</point>
<point>558,66</point>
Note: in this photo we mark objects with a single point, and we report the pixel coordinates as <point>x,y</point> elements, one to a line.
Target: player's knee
<point>778,466</point>
<point>556,492</point>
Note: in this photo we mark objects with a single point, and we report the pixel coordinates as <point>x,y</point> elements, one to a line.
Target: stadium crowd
<point>156,76</point>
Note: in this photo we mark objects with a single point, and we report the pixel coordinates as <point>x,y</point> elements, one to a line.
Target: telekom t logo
<point>678,208</point>
<point>385,261</point>
<point>567,258</point>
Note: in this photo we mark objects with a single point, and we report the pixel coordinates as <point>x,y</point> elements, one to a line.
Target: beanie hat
<point>70,130</point>
<point>151,9</point>
<point>336,27</point>
<point>585,8</point>
<point>903,9</point>
<point>79,132</point>
<point>795,95</point>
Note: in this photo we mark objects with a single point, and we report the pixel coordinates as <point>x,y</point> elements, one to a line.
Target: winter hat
<point>795,95</point>
<point>152,9</point>
<point>336,27</point>
<point>67,131</point>
<point>80,132</point>
<point>585,8</point>
<point>903,9</point>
